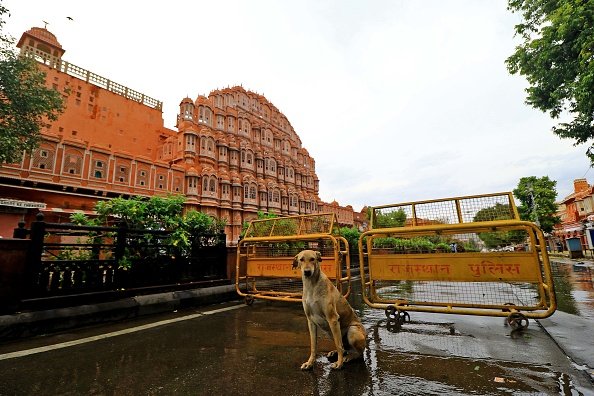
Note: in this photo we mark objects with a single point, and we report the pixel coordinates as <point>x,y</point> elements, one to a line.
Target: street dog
<point>325,307</point>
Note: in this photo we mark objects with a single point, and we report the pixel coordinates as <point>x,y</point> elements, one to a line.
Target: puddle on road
<point>424,357</point>
<point>574,288</point>
<point>433,357</point>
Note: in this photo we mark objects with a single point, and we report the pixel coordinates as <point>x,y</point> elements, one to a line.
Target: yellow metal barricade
<point>265,256</point>
<point>467,255</point>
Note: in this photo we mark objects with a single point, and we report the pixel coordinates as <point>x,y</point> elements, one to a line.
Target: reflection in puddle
<point>429,358</point>
<point>574,288</point>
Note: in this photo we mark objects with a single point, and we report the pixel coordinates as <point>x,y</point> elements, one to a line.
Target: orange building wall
<point>234,153</point>
<point>104,119</point>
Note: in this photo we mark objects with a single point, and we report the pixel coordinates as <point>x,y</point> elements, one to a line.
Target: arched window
<point>213,185</point>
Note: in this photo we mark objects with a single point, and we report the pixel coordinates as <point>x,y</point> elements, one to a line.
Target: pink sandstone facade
<point>234,153</point>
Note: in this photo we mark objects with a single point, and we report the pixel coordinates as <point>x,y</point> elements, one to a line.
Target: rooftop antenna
<point>46,23</point>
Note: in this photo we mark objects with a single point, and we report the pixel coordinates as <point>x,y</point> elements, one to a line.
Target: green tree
<point>537,196</point>
<point>26,104</point>
<point>389,219</point>
<point>498,211</point>
<point>497,239</point>
<point>155,213</point>
<point>557,57</point>
<point>351,234</point>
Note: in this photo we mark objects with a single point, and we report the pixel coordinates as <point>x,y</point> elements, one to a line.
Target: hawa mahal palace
<point>233,154</point>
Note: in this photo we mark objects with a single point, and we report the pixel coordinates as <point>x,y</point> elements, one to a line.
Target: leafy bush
<point>351,235</point>
<point>155,213</point>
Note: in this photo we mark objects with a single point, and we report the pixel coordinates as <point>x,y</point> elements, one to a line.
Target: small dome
<point>44,35</point>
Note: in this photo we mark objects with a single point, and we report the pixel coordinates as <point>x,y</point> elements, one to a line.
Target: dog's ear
<point>318,256</point>
<point>296,262</point>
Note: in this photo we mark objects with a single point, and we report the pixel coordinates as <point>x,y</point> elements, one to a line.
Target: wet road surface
<point>574,286</point>
<point>257,350</point>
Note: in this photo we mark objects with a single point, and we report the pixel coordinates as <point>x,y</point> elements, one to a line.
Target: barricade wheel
<point>390,312</point>
<point>393,326</point>
<point>403,317</point>
<point>249,300</point>
<point>517,321</point>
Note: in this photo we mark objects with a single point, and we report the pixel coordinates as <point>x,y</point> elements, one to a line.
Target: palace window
<point>190,142</point>
<point>222,151</point>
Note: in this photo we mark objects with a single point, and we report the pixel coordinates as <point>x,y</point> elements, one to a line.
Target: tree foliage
<point>351,234</point>
<point>155,213</point>
<point>537,196</point>
<point>498,211</point>
<point>497,239</point>
<point>26,104</point>
<point>395,218</point>
<point>557,58</point>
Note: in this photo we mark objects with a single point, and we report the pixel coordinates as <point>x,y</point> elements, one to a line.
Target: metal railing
<point>95,79</point>
<point>68,259</point>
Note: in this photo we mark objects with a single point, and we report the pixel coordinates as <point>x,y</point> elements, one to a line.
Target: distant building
<point>344,214</point>
<point>576,212</point>
<point>361,219</point>
<point>234,152</point>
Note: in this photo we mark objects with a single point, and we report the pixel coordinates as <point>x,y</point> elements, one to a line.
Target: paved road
<point>233,349</point>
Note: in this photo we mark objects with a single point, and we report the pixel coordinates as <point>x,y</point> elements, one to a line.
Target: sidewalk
<point>33,323</point>
<point>41,322</point>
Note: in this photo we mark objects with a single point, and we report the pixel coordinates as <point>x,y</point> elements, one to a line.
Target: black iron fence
<point>68,260</point>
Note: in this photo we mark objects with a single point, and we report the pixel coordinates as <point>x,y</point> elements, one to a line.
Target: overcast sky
<point>395,100</point>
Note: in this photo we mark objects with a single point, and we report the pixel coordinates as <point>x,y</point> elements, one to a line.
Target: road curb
<point>29,324</point>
